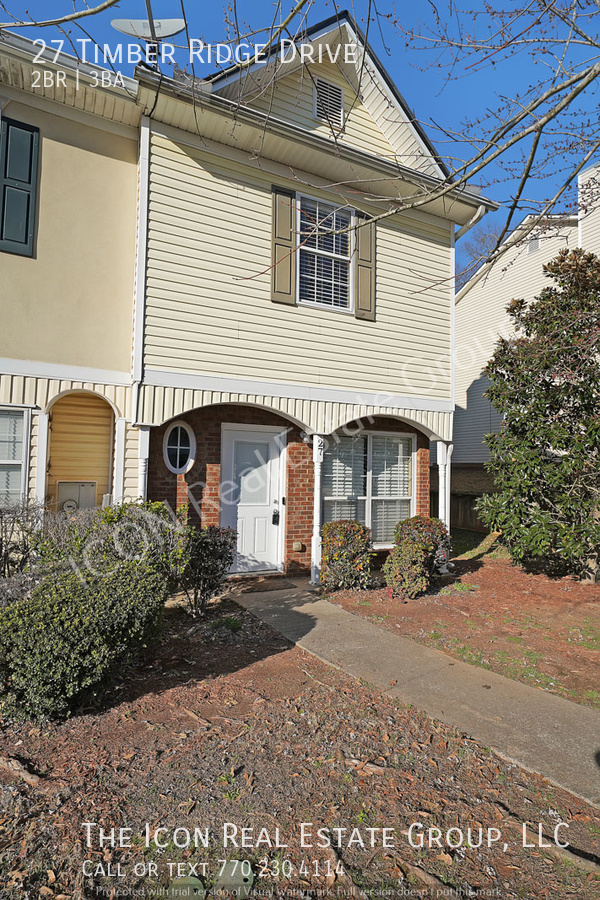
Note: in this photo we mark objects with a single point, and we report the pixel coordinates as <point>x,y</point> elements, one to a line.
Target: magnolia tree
<point>546,458</point>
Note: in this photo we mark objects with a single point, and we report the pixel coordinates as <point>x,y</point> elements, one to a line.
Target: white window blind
<point>369,478</point>
<point>329,103</point>
<point>12,455</point>
<point>324,258</point>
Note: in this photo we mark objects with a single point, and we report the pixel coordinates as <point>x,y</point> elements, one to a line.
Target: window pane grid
<point>369,478</point>
<point>324,258</point>
<point>12,455</point>
<point>179,447</point>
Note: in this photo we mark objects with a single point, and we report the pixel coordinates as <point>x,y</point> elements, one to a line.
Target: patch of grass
<point>593,698</point>
<point>231,622</point>
<point>514,638</point>
<point>458,587</point>
<point>586,635</point>
<point>474,544</point>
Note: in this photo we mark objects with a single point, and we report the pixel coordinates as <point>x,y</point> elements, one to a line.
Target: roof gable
<point>377,119</point>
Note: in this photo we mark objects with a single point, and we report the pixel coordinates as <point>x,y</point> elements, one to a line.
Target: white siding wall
<point>480,319</point>
<point>208,291</point>
<point>589,213</point>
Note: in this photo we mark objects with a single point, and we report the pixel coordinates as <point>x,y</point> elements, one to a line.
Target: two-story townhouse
<point>481,318</point>
<point>216,302</point>
<point>290,376</point>
<point>68,189</point>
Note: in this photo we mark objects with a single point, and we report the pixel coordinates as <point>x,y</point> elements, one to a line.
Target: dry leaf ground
<point>227,723</point>
<point>542,631</point>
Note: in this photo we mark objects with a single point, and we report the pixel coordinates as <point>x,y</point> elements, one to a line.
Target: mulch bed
<point>227,723</point>
<point>539,630</point>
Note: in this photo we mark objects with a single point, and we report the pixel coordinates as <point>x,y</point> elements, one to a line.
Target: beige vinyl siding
<point>159,403</point>
<point>373,123</point>
<point>20,390</point>
<point>81,443</point>
<point>130,480</point>
<point>481,319</point>
<point>208,291</point>
<point>291,98</point>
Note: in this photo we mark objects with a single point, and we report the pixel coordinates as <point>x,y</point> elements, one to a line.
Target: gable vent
<point>329,103</point>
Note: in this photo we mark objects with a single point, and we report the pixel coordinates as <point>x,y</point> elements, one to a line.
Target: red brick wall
<point>200,486</point>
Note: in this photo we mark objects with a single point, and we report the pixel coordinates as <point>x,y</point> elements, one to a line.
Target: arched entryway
<point>79,472</point>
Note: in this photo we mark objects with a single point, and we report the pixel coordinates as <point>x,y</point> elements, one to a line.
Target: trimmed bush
<point>61,644</point>
<point>405,570</point>
<point>431,533</point>
<point>422,547</point>
<point>208,555</point>
<point>346,555</point>
<point>98,540</point>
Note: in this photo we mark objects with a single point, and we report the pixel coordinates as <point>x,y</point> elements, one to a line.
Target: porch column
<point>143,454</point>
<point>315,555</point>
<point>449,449</point>
<point>119,468</point>
<point>444,452</point>
<point>43,424</point>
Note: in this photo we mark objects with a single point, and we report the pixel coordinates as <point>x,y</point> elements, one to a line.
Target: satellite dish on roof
<point>143,29</point>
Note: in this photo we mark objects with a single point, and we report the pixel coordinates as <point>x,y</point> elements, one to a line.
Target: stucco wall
<point>72,302</point>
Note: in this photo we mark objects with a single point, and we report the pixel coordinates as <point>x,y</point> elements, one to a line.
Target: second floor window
<point>324,272</point>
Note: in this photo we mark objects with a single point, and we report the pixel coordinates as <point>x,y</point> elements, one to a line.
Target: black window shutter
<point>19,146</point>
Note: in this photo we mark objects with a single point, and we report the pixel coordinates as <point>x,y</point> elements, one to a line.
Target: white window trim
<point>325,121</point>
<point>379,545</point>
<point>311,304</point>
<point>26,460</point>
<point>179,423</point>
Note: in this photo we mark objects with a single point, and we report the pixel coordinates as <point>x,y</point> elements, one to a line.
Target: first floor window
<point>179,448</point>
<point>324,254</point>
<point>369,478</point>
<point>12,456</point>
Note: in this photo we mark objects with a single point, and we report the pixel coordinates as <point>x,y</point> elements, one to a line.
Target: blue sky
<point>438,103</point>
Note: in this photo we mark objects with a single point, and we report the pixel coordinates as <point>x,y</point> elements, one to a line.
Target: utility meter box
<point>74,495</point>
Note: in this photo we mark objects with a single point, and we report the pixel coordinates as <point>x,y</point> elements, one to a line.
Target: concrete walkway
<point>540,731</point>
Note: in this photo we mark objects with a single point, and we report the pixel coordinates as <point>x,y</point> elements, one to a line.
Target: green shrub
<point>61,644</point>
<point>98,540</point>
<point>422,546</point>
<point>207,556</point>
<point>430,533</point>
<point>346,555</point>
<point>405,570</point>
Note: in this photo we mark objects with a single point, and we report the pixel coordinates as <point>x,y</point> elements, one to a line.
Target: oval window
<point>179,447</point>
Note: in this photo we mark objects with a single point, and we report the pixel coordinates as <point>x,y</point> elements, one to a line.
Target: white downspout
<point>139,300</point>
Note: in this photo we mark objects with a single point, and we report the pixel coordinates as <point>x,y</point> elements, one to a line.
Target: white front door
<point>251,495</point>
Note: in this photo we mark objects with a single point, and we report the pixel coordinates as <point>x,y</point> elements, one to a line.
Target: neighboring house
<point>481,318</point>
<point>278,377</point>
<point>68,187</point>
